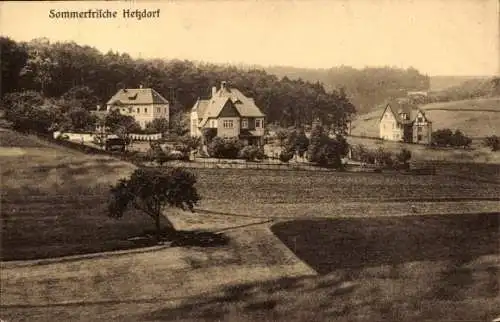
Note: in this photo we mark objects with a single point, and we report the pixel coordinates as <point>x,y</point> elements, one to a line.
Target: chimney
<point>140,86</point>
<point>214,90</point>
<point>98,107</point>
<point>223,84</point>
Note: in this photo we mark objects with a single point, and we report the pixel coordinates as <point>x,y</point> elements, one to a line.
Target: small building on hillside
<point>143,104</point>
<point>404,122</point>
<point>230,114</point>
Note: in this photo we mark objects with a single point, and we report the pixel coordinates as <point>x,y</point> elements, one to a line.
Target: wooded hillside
<point>56,69</point>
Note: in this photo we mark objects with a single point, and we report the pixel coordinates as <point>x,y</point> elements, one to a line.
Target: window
<point>212,123</point>
<point>158,110</point>
<point>420,119</point>
<point>145,110</point>
<point>228,124</point>
<point>244,123</point>
<point>419,129</point>
<point>419,138</point>
<point>138,110</point>
<point>258,123</point>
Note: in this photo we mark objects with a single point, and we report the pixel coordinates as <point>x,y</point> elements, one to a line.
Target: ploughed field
<point>275,186</point>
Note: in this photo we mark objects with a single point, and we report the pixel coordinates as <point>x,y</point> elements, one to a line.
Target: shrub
<point>445,137</point>
<point>251,153</point>
<point>208,135</point>
<point>404,156</point>
<point>460,140</point>
<point>190,142</point>
<point>384,158</point>
<point>493,142</point>
<point>285,156</point>
<point>282,136</point>
<point>224,148</point>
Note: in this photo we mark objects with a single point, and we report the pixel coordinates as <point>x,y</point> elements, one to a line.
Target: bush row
<point>381,157</point>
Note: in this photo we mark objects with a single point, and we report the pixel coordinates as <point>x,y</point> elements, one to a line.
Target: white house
<point>143,104</point>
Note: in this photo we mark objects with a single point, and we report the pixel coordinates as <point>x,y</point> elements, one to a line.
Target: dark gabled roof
<point>399,107</point>
<point>134,96</point>
<point>211,108</point>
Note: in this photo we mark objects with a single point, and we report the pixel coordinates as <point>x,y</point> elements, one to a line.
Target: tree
<point>80,96</point>
<point>81,119</point>
<point>179,123</point>
<point>159,125</point>
<point>152,191</point>
<point>28,113</point>
<point>324,150</point>
<point>13,58</point>
<point>493,142</point>
<point>282,135</point>
<point>120,124</point>
<point>301,143</point>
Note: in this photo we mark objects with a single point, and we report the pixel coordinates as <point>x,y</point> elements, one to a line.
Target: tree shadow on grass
<point>355,243</point>
<point>183,238</point>
<point>247,302</point>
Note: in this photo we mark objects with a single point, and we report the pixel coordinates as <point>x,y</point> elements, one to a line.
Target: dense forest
<point>64,69</point>
<point>367,87</point>
<point>288,96</point>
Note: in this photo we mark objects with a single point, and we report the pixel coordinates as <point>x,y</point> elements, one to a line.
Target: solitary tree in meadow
<point>152,191</point>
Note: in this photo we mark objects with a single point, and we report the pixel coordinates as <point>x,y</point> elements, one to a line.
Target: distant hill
<point>477,118</point>
<point>439,83</point>
<point>366,87</point>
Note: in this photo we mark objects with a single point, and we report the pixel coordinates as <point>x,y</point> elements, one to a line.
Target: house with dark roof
<point>230,113</point>
<point>405,122</point>
<point>143,104</point>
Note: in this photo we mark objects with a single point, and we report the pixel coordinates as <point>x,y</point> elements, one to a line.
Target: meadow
<point>55,204</point>
<point>372,264</point>
<point>476,118</point>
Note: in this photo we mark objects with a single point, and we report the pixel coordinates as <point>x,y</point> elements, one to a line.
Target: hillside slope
<point>477,118</point>
<point>439,83</point>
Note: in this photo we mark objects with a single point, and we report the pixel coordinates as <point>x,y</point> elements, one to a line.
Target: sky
<point>438,37</point>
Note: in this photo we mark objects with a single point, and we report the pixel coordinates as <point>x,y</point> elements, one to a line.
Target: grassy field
<point>54,201</point>
<point>477,118</point>
<point>478,153</point>
<point>410,268</point>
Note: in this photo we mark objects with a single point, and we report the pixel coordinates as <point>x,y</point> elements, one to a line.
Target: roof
<point>211,108</point>
<point>399,107</point>
<point>134,96</point>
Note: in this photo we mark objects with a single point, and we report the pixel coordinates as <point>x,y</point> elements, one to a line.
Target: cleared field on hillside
<point>479,154</point>
<point>476,118</point>
<point>54,200</point>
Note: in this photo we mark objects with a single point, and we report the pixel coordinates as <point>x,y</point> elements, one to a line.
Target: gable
<point>388,115</point>
<point>228,110</point>
<point>421,118</point>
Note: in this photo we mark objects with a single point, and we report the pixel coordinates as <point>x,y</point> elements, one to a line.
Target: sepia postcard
<point>237,160</point>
